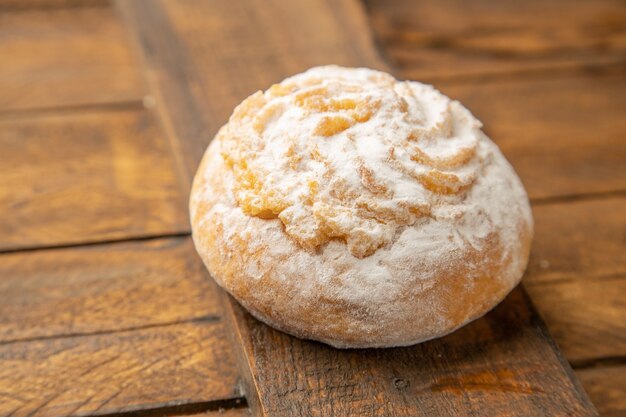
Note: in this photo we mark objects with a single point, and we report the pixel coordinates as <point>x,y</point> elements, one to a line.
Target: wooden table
<point>105,110</point>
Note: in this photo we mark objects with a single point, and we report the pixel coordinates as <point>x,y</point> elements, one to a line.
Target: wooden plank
<point>578,240</point>
<point>436,39</point>
<point>65,57</point>
<point>586,317</point>
<point>128,186</point>
<point>577,276</point>
<point>564,136</point>
<point>112,328</point>
<point>101,288</point>
<point>499,365</point>
<point>199,70</point>
<point>153,368</point>
<point>607,388</point>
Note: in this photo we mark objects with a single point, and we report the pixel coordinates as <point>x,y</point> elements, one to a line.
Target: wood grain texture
<point>110,373</point>
<point>499,365</point>
<point>84,177</point>
<point>204,58</point>
<point>434,40</point>
<point>586,317</point>
<point>103,288</point>
<point>577,276</point>
<point>564,136</point>
<point>65,57</point>
<point>607,388</point>
<point>578,240</point>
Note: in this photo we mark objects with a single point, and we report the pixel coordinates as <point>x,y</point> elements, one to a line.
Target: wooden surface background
<point>105,109</point>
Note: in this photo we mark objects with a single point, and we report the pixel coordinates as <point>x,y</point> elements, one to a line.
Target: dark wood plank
<point>111,328</point>
<point>499,365</point>
<point>578,240</point>
<point>564,136</point>
<point>586,317</point>
<point>100,288</point>
<point>607,388</point>
<point>128,185</point>
<point>152,368</point>
<point>505,364</point>
<point>65,57</point>
<point>435,39</point>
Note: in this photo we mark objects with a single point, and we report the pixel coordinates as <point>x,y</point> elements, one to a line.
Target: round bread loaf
<point>344,206</point>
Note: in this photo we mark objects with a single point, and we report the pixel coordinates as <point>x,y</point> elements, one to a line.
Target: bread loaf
<point>344,206</point>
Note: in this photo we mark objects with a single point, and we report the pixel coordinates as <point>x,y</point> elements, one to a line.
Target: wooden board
<point>607,388</point>
<point>586,317</point>
<point>499,365</point>
<point>564,135</point>
<point>456,39</point>
<point>65,57</point>
<point>153,368</point>
<point>578,240</point>
<point>103,288</point>
<point>199,72</point>
<point>577,276</point>
<point>111,328</point>
<point>85,177</point>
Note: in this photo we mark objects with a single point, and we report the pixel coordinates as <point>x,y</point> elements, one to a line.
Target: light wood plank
<point>65,57</point>
<point>434,40</point>
<point>578,240</point>
<point>103,288</point>
<point>84,177</point>
<point>586,317</point>
<point>564,136</point>
<point>110,373</point>
<point>577,276</point>
<point>607,388</point>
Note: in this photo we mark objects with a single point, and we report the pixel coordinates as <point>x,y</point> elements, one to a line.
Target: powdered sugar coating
<point>350,154</point>
<point>419,273</point>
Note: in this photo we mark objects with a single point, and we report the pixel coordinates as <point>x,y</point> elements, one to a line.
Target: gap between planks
<point>557,199</point>
<point>589,69</point>
<point>113,106</point>
<point>134,238</point>
<point>202,319</point>
<point>574,278</point>
<point>189,409</point>
<point>604,362</point>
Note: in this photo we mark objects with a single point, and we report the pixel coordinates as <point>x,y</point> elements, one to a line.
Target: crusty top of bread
<point>346,193</point>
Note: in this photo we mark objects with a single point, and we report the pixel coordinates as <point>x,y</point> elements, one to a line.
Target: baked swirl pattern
<point>348,154</point>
